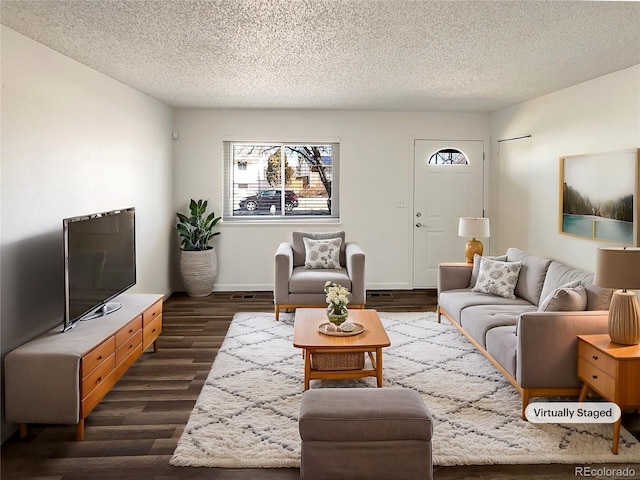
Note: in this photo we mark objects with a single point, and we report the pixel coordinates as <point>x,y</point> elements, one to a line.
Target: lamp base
<point>472,247</point>
<point>624,318</point>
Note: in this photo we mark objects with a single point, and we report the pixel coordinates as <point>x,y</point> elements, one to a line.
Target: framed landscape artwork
<point>599,196</point>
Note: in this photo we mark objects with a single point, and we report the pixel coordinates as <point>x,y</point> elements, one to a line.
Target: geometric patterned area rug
<point>247,413</point>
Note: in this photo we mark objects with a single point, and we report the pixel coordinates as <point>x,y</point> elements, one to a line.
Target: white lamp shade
<point>473,227</point>
<point>618,267</point>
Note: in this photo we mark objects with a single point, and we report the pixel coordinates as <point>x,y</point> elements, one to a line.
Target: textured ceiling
<point>338,54</point>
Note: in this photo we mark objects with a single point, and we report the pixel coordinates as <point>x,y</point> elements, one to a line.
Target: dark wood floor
<point>133,432</point>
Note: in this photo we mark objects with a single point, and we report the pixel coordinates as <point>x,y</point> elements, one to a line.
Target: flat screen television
<point>99,263</point>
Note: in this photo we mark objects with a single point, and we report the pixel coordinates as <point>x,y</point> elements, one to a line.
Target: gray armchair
<point>297,286</point>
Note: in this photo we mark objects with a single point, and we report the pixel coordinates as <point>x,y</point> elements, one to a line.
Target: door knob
<point>421,225</point>
<point>418,214</point>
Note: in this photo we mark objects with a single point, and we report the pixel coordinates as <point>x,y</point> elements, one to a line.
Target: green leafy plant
<point>196,231</point>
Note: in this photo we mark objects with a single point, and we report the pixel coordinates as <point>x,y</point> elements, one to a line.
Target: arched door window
<point>448,156</point>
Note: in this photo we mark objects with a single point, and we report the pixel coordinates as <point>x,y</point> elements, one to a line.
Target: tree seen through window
<point>448,156</point>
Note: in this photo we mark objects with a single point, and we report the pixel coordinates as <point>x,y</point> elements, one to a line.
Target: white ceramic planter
<point>198,270</point>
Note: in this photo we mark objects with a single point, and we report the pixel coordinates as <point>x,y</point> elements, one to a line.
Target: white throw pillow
<point>497,278</point>
<point>476,266</point>
<point>571,297</point>
<point>322,253</point>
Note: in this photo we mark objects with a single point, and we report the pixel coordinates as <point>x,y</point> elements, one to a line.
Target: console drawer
<point>95,357</point>
<point>125,333</point>
<point>98,375</point>
<point>122,368</point>
<point>151,313</point>
<point>129,347</point>
<point>92,399</point>
<point>151,332</point>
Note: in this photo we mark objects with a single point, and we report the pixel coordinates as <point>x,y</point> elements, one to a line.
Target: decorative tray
<point>329,329</point>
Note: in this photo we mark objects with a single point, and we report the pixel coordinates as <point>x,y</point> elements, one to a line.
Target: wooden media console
<point>59,378</point>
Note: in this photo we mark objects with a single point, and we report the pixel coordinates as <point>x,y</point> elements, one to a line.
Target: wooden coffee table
<point>371,341</point>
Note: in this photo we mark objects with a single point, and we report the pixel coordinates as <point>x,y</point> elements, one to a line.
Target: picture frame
<point>599,196</point>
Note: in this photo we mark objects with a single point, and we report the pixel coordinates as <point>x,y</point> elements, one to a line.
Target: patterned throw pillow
<point>322,253</point>
<point>476,266</point>
<point>497,278</point>
<point>571,297</point>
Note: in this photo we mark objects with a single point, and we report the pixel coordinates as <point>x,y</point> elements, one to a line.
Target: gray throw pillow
<point>571,297</point>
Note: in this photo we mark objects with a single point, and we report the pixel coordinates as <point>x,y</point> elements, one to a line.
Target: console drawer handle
<point>595,357</point>
<point>99,379</point>
<point>594,376</point>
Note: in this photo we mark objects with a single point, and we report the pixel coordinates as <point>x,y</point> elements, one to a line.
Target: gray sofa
<point>297,286</point>
<point>535,350</point>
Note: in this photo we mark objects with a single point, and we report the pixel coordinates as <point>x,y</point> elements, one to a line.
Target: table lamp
<point>473,227</point>
<point>619,267</point>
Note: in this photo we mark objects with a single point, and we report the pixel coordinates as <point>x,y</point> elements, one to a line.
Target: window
<point>448,156</point>
<point>276,180</point>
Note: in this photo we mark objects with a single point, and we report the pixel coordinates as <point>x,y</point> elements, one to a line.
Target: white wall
<point>376,171</point>
<point>73,142</point>
<point>596,116</point>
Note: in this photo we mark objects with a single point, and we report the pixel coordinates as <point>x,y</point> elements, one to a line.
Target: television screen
<point>100,262</point>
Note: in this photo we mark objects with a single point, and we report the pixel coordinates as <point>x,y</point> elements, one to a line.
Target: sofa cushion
<point>497,278</point>
<point>478,320</point>
<point>502,344</point>
<point>305,280</point>
<point>532,274</point>
<point>476,266</point>
<point>322,253</point>
<point>454,301</point>
<point>559,274</point>
<point>571,297</point>
<point>297,244</point>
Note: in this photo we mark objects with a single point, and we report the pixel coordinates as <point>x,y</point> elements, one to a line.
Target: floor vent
<point>243,296</point>
<point>380,295</point>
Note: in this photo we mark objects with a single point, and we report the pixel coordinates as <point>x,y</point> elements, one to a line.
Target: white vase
<point>198,270</point>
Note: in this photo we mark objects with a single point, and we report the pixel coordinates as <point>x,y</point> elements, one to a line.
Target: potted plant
<point>198,260</point>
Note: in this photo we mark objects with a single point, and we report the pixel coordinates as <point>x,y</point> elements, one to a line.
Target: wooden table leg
<point>616,436</point>
<point>583,392</point>
<point>379,366</point>
<point>307,369</point>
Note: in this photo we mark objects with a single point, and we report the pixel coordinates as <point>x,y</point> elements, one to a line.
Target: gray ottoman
<point>365,433</point>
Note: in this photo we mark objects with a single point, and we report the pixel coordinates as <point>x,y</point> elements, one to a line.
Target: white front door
<point>441,195</point>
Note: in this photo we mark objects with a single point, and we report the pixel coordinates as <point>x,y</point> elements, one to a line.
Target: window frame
<point>448,150</point>
<point>286,217</point>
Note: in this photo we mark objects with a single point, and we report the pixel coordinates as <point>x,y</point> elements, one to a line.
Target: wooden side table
<point>612,371</point>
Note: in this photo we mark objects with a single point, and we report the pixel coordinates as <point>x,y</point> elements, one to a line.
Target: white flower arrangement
<point>337,295</point>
